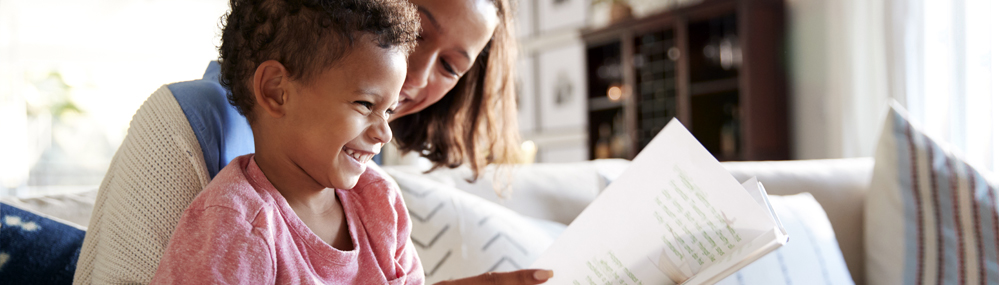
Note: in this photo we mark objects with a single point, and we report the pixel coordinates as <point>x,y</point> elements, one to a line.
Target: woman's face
<point>453,33</point>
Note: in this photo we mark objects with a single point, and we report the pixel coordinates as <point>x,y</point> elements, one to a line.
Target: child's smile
<point>360,156</point>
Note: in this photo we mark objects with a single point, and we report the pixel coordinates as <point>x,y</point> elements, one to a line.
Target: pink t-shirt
<point>241,230</point>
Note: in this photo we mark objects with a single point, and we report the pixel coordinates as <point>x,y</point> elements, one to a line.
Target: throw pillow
<point>36,249</point>
<point>457,234</point>
<point>550,191</point>
<point>930,218</point>
<point>811,255</point>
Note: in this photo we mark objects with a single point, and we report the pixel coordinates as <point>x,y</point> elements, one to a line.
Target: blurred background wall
<point>72,73</point>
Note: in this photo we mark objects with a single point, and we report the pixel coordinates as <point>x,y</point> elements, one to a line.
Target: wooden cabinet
<point>718,66</point>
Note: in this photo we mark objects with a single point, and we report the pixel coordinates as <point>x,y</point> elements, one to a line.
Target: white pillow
<point>457,234</point>
<point>930,218</point>
<point>549,191</point>
<point>811,255</point>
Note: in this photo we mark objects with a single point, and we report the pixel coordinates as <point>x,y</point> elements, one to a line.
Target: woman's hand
<point>526,276</point>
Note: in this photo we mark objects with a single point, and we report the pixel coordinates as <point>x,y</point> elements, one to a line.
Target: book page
<point>674,212</point>
<point>752,188</point>
<point>756,190</point>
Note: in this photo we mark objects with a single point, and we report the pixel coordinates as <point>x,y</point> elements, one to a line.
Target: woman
<point>458,98</point>
<point>457,103</point>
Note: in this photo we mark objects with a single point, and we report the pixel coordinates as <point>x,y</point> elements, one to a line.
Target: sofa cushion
<point>74,207</point>
<point>930,217</point>
<point>839,185</point>
<point>457,234</point>
<point>811,255</point>
<point>37,249</point>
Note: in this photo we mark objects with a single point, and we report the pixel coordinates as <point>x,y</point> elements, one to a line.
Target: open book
<point>675,216</point>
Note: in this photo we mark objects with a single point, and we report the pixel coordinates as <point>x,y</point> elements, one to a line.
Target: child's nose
<point>380,131</point>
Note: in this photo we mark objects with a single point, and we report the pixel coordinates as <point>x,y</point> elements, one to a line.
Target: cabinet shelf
<point>689,63</point>
<point>715,86</point>
<point>603,103</point>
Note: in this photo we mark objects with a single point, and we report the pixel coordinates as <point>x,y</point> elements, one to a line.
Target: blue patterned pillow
<point>930,218</point>
<point>35,249</point>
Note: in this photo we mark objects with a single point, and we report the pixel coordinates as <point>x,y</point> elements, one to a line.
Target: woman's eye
<point>390,111</point>
<point>448,68</point>
<point>368,105</point>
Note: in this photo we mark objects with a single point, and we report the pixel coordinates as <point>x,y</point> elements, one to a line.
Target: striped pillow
<point>930,218</point>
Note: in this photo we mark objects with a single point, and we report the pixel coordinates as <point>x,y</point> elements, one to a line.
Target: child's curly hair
<point>306,36</point>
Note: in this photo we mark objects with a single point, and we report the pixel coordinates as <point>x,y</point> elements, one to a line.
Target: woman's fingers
<point>526,276</point>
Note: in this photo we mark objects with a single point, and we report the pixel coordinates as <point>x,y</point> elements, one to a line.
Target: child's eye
<point>368,105</point>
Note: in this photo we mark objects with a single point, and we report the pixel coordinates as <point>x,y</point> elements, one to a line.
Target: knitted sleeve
<point>154,175</point>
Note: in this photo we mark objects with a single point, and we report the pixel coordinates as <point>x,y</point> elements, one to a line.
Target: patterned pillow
<point>36,249</point>
<point>930,218</point>
<point>811,255</point>
<point>457,234</point>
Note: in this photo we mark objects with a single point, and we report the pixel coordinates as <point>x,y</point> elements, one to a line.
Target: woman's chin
<point>401,110</point>
<point>407,107</point>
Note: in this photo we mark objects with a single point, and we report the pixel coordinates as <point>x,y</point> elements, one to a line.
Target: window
<point>72,73</point>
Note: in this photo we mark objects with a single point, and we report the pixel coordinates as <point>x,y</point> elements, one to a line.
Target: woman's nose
<point>418,71</point>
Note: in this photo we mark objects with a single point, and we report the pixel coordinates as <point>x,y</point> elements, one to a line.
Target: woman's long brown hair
<point>476,121</point>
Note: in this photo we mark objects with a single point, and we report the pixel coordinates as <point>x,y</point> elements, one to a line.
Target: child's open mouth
<point>360,156</point>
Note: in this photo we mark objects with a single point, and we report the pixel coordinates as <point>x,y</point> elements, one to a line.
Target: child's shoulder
<point>375,185</point>
<point>232,189</point>
<point>379,203</point>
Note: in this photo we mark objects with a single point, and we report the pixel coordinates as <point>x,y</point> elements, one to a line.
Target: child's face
<point>339,120</point>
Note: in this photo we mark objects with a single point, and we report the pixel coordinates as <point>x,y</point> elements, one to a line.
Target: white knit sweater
<point>156,173</point>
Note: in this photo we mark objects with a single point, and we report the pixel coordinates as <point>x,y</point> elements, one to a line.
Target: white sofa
<point>839,185</point>
<point>558,192</point>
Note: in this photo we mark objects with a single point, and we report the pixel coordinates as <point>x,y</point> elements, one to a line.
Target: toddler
<point>317,81</point>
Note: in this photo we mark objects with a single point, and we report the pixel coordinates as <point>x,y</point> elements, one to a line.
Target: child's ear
<point>270,87</point>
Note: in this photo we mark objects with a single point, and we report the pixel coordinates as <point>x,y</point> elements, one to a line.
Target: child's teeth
<point>360,157</point>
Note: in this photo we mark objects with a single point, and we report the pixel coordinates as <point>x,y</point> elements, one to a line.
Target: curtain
<point>838,76</point>
<point>72,74</point>
<point>940,59</point>
<point>944,62</point>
